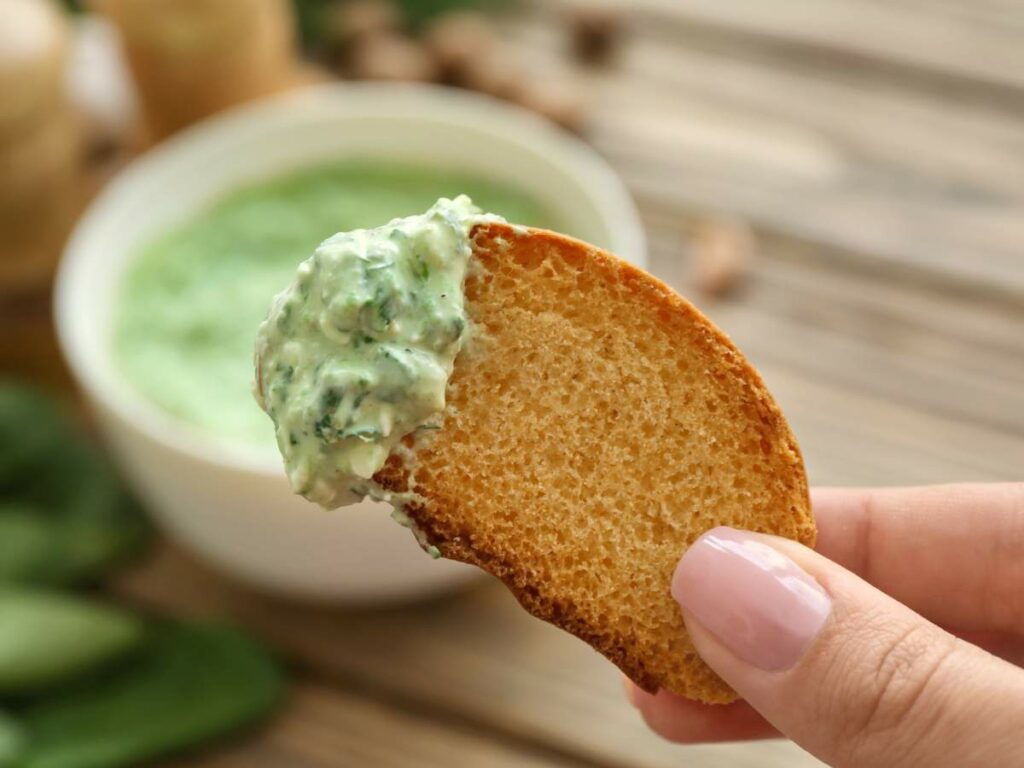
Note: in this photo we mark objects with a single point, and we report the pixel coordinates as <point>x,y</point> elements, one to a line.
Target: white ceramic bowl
<point>230,502</point>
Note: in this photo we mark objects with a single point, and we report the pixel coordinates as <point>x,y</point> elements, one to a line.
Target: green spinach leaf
<point>193,683</point>
<point>47,638</point>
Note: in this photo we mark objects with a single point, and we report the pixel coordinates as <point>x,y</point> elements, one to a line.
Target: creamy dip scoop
<point>356,353</point>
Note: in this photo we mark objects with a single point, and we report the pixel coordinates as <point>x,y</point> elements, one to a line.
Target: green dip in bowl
<point>191,300</point>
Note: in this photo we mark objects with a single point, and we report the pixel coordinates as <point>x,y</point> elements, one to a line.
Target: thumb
<point>842,669</point>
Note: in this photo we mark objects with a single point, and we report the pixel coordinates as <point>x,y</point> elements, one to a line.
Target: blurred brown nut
<point>33,53</point>
<point>723,249</point>
<point>457,40</point>
<point>349,22</point>
<point>391,57</point>
<point>498,71</point>
<point>560,101</point>
<point>596,30</point>
<point>99,144</point>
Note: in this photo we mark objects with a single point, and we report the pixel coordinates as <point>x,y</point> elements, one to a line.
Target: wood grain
<point>473,659</point>
<point>900,178</point>
<point>325,726</point>
<point>927,42</point>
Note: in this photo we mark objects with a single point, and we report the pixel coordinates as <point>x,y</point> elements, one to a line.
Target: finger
<point>952,553</point>
<point>856,528</point>
<point>841,668</point>
<point>690,722</point>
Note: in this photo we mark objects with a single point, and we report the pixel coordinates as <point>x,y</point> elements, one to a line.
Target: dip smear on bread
<point>356,352</point>
<point>593,428</point>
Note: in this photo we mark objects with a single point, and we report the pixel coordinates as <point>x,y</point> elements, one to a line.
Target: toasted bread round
<point>596,425</point>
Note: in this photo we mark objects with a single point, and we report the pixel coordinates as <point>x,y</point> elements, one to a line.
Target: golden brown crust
<point>596,427</point>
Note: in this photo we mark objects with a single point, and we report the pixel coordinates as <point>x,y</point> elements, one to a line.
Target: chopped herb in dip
<point>356,352</point>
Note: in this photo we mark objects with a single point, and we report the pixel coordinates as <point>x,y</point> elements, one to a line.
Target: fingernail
<point>755,600</point>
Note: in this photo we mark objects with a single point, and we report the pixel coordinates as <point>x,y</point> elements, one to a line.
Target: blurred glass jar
<point>40,146</point>
<point>192,58</point>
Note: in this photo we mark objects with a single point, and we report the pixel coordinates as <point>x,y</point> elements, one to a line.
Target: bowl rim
<point>346,101</point>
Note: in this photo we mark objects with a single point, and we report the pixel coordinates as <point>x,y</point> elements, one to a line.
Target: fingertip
<point>630,690</point>
<point>636,695</point>
<point>685,721</point>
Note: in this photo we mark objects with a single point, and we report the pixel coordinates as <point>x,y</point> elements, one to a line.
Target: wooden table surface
<point>877,147</point>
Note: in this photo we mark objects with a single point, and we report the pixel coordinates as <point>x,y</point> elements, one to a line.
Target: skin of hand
<point>897,643</point>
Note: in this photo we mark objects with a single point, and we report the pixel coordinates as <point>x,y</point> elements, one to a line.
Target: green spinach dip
<point>356,352</point>
<point>191,300</point>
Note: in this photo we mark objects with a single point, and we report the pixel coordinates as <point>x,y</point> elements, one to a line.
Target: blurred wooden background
<point>877,149</point>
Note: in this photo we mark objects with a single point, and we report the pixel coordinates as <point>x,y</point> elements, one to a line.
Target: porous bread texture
<point>596,425</point>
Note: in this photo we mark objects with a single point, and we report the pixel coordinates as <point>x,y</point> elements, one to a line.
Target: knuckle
<point>901,701</point>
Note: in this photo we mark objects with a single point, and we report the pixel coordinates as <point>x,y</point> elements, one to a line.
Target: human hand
<point>841,654</point>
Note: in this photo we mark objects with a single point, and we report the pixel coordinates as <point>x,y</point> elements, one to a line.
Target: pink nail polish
<point>754,599</point>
